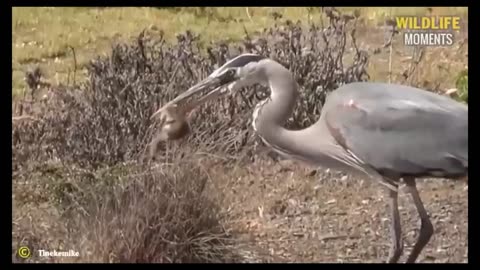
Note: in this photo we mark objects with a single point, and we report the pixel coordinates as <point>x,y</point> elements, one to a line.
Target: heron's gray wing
<point>403,136</point>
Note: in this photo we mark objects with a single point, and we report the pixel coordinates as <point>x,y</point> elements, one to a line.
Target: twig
<point>417,56</point>
<point>247,36</point>
<point>390,63</point>
<point>74,64</point>
<point>336,237</point>
<point>248,15</point>
<point>24,117</point>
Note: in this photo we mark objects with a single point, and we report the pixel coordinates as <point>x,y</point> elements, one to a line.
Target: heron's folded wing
<point>403,136</point>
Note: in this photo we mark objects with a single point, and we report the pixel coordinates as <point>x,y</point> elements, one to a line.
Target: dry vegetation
<point>81,182</point>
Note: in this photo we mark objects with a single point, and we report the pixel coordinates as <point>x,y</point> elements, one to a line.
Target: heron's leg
<point>396,247</point>
<point>426,227</point>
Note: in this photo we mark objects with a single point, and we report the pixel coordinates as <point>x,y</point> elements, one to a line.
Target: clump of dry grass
<point>133,214</point>
<point>158,215</point>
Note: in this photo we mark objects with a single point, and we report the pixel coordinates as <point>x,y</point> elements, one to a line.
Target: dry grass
<point>127,213</point>
<point>45,36</point>
<point>160,216</point>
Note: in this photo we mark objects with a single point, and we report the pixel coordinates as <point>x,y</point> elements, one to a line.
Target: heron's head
<point>239,72</point>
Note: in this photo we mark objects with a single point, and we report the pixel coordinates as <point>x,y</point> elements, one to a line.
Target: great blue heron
<point>385,131</point>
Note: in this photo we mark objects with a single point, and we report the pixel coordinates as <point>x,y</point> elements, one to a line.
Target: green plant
<point>462,86</point>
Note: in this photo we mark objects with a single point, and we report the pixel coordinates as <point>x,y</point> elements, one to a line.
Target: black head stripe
<point>239,61</point>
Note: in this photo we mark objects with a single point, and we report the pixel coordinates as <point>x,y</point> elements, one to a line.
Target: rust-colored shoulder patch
<point>351,103</point>
<point>333,127</point>
<point>335,132</point>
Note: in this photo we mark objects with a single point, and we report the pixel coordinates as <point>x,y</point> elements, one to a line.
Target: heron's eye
<point>231,72</point>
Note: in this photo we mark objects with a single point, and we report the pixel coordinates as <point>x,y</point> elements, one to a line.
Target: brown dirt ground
<point>293,215</point>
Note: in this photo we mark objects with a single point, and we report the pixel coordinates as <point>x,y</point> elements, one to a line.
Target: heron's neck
<point>273,113</point>
<point>313,145</point>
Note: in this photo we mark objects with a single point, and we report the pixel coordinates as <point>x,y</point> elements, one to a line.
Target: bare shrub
<point>107,120</point>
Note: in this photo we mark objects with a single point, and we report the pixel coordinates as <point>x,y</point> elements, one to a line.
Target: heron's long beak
<point>199,88</point>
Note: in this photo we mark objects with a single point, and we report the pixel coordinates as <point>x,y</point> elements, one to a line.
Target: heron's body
<point>413,132</point>
<point>388,132</point>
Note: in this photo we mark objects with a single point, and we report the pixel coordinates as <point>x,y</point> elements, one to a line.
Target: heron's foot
<point>395,253</point>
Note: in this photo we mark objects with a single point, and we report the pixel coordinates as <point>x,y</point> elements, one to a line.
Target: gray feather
<point>412,131</point>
